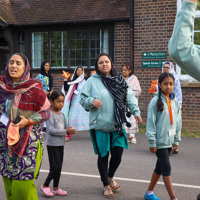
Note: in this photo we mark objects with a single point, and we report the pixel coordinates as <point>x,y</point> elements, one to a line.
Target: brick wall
<point>154,21</point>
<point>191,108</point>
<point>121,44</point>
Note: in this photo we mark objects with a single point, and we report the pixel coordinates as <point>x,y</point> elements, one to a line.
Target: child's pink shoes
<point>47,191</point>
<point>59,192</point>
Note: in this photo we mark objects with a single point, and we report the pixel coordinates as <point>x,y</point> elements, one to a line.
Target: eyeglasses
<point>166,67</point>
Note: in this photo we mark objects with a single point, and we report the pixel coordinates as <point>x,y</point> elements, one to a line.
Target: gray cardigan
<point>56,129</point>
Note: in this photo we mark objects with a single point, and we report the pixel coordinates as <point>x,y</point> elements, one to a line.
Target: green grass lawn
<point>184,133</point>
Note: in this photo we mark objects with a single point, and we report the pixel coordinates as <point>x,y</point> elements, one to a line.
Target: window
<point>59,49</point>
<point>69,48</point>
<point>98,38</point>
<point>78,48</point>
<point>195,38</point>
<point>39,48</point>
<point>21,42</point>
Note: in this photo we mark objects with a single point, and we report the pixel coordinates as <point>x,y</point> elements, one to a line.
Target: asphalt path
<point>80,175</point>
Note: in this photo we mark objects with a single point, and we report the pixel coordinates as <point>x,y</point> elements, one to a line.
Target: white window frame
<point>103,47</point>
<point>186,78</point>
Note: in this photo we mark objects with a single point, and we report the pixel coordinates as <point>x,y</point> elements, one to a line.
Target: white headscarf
<point>177,86</point>
<point>78,80</point>
<point>170,71</point>
<point>65,108</point>
<point>171,67</point>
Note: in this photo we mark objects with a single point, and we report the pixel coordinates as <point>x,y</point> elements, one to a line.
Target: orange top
<point>153,86</point>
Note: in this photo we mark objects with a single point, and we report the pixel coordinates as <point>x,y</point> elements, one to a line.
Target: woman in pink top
<point>131,125</point>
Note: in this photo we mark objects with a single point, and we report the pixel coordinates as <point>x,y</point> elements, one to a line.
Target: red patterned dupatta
<point>28,99</point>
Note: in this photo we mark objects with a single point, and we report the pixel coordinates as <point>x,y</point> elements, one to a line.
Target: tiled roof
<point>6,13</point>
<point>29,12</point>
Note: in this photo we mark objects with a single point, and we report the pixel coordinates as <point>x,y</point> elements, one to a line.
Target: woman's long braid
<point>160,104</point>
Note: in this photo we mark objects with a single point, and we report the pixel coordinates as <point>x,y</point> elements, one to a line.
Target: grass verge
<point>184,132</point>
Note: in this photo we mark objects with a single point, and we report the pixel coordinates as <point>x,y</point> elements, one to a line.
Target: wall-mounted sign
<point>152,63</point>
<point>154,55</point>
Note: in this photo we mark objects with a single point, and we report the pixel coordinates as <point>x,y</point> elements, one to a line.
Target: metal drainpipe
<point>132,33</point>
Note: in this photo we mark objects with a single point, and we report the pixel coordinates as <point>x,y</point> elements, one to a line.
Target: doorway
<point>4,52</point>
<point>4,56</point>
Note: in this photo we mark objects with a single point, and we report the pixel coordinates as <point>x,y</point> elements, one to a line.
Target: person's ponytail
<point>160,105</point>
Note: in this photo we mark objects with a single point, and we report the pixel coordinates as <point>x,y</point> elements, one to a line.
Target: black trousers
<point>163,165</point>
<point>55,154</point>
<point>102,162</point>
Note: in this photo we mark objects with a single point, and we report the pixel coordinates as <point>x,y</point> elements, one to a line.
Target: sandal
<point>47,191</point>
<point>110,195</point>
<point>60,192</point>
<point>133,140</point>
<point>114,185</point>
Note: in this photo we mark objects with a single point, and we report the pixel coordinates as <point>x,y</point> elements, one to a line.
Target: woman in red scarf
<point>21,96</point>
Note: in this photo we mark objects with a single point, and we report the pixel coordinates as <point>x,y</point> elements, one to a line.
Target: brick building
<point>71,33</point>
<point>154,21</point>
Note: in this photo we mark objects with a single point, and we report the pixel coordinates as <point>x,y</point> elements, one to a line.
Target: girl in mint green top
<point>163,132</point>
<point>106,96</point>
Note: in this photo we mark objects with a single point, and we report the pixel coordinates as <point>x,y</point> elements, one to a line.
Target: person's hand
<point>66,76</point>
<point>153,149</point>
<point>71,130</point>
<point>97,103</point>
<point>50,92</point>
<point>175,147</point>
<point>139,120</point>
<point>46,93</point>
<point>23,122</point>
<point>64,72</point>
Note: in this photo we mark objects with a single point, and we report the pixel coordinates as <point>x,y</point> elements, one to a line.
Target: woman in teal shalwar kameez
<point>106,96</point>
